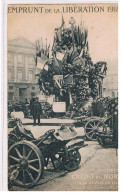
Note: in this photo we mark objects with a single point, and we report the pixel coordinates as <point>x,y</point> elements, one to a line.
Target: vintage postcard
<point>62,97</point>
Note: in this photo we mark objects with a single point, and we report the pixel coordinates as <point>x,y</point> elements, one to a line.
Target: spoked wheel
<point>54,162</point>
<point>105,141</point>
<point>100,141</point>
<point>72,162</point>
<point>94,126</point>
<point>12,138</point>
<point>29,161</point>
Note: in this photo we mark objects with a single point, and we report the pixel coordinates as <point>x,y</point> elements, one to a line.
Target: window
<point>19,58</point>
<point>33,88</point>
<point>113,94</point>
<point>30,60</point>
<point>9,57</point>
<point>22,92</point>
<point>9,74</point>
<point>10,87</point>
<point>10,96</point>
<point>19,74</point>
<point>30,74</point>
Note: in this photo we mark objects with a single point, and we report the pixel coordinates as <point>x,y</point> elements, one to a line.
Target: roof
<point>21,41</point>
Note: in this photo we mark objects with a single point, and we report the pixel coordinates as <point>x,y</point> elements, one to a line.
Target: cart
<point>30,156</point>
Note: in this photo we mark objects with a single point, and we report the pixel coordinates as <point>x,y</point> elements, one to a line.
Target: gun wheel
<point>72,162</point>
<point>92,128</point>
<point>28,159</point>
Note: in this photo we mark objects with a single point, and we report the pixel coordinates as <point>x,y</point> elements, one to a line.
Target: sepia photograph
<point>62,97</point>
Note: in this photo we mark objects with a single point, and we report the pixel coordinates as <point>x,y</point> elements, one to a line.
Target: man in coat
<point>36,110</point>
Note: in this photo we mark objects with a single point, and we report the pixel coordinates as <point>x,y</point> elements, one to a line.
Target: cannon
<point>31,156</point>
<point>109,137</point>
<point>91,126</point>
<point>95,125</point>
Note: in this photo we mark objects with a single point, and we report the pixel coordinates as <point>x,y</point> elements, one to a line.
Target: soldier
<point>31,102</point>
<point>36,110</point>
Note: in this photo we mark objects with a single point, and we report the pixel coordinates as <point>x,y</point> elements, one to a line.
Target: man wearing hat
<point>36,110</point>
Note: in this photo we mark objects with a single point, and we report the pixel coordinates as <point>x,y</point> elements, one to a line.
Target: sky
<point>102,29</point>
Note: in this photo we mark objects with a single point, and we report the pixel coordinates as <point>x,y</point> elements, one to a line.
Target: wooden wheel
<point>94,126</point>
<point>12,138</point>
<point>72,162</point>
<point>29,161</point>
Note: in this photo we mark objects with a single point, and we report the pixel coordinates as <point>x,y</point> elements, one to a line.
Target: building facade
<point>22,82</point>
<point>110,86</point>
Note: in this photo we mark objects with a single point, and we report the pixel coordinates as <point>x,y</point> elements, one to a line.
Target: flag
<point>60,55</point>
<point>86,35</point>
<point>70,98</point>
<point>58,31</point>
<point>41,61</point>
<point>63,22</point>
<point>68,79</point>
<point>82,27</point>
<point>47,53</point>
<point>54,44</point>
<point>64,60</point>
<point>58,80</point>
<point>37,46</point>
<point>46,45</point>
<point>87,45</point>
<point>55,61</point>
<point>81,53</point>
<point>79,36</point>
<point>82,39</point>
<point>46,67</point>
<point>76,37</point>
